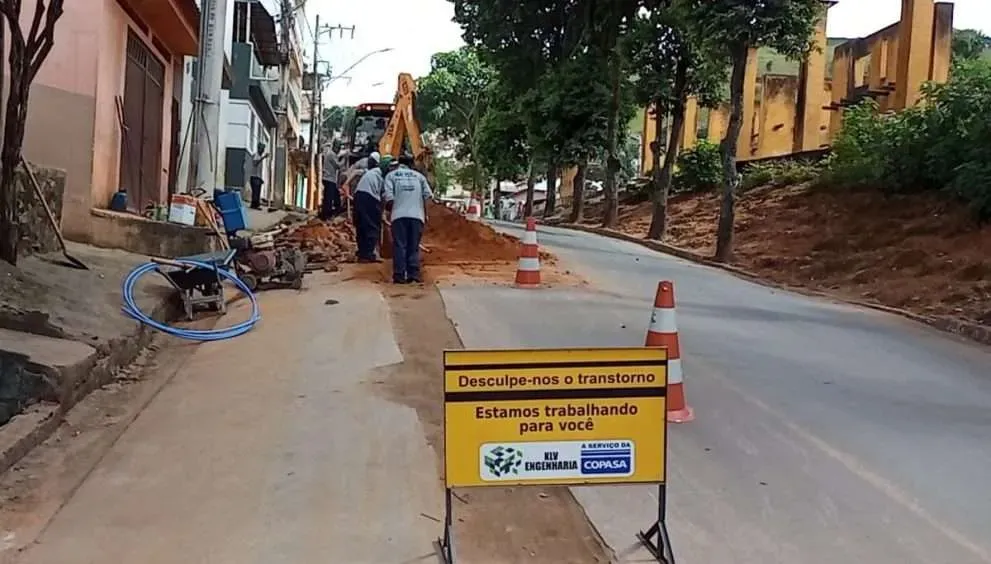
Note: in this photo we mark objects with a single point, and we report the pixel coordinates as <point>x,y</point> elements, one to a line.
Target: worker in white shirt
<point>368,209</point>
<point>406,192</point>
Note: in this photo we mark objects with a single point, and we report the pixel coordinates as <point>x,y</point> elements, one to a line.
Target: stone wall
<point>37,234</point>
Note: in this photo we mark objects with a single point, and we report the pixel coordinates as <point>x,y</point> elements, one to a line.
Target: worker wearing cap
<point>368,208</point>
<point>406,192</point>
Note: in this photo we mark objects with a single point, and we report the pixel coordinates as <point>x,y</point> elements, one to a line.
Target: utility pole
<point>316,108</point>
<point>315,116</point>
<point>206,101</point>
<point>286,19</point>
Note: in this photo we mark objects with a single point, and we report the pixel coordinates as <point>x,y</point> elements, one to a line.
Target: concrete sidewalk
<point>270,448</point>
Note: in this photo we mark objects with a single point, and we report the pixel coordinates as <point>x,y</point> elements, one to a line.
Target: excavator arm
<point>403,125</point>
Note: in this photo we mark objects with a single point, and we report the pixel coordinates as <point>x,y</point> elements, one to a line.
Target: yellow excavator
<point>390,129</point>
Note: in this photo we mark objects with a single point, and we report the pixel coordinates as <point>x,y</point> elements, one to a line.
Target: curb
<point>969,330</point>
<point>31,428</point>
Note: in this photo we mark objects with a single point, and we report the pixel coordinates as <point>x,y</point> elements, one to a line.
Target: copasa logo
<point>614,458</point>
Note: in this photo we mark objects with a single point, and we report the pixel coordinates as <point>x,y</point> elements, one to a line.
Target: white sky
<point>416,29</point>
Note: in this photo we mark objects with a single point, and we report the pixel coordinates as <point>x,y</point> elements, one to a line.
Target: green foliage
<point>969,45</point>
<point>942,144</point>
<point>503,149</point>
<point>784,25</point>
<point>780,173</point>
<point>699,169</point>
<point>453,97</point>
<point>569,115</point>
<point>444,174</point>
<point>335,119</point>
<point>657,41</point>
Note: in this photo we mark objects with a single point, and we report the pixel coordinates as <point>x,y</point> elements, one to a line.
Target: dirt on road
<point>504,525</point>
<point>920,252</point>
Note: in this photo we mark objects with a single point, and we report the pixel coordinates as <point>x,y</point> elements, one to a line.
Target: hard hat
<point>374,156</point>
<point>386,160</point>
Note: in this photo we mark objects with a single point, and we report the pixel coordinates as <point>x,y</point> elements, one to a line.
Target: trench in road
<point>497,524</point>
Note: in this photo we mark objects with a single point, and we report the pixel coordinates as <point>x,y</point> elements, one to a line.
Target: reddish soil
<point>920,252</point>
<point>451,237</point>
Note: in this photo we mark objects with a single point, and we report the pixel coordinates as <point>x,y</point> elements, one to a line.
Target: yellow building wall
<point>778,115</point>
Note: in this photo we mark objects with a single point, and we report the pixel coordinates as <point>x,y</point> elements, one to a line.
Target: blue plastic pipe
<point>131,309</point>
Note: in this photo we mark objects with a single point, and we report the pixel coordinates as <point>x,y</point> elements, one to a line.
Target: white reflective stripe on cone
<point>529,237</point>
<point>529,264</point>
<point>663,321</point>
<point>674,371</point>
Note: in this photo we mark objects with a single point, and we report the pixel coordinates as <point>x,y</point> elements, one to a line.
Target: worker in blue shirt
<point>406,192</point>
<point>368,208</point>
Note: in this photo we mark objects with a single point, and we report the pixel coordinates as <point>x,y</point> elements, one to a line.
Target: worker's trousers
<point>406,234</point>
<point>367,223</point>
<point>331,203</point>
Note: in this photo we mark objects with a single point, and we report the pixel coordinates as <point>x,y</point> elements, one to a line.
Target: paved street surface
<point>270,448</point>
<point>824,433</point>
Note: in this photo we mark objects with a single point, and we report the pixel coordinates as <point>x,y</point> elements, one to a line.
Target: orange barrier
<point>663,332</point>
<point>528,270</point>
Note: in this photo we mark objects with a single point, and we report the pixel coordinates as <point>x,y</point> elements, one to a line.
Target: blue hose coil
<point>131,309</point>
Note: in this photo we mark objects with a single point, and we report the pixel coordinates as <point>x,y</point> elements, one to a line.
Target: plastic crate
<point>231,210</point>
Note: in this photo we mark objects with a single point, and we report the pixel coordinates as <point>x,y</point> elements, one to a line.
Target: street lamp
<point>358,62</point>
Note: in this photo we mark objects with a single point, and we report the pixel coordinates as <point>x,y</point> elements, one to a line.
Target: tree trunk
<point>724,231</point>
<point>578,197</point>
<point>13,139</point>
<point>610,216</point>
<point>551,204</point>
<point>531,181</point>
<point>659,219</point>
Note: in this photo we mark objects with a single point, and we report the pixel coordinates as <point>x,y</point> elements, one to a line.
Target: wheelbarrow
<point>196,285</point>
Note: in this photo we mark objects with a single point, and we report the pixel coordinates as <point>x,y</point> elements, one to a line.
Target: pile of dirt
<point>452,238</point>
<point>919,252</point>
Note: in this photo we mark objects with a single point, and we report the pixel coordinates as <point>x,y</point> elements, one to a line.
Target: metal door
<point>141,143</point>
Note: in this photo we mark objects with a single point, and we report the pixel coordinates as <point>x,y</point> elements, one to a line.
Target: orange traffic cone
<point>663,332</point>
<point>528,271</point>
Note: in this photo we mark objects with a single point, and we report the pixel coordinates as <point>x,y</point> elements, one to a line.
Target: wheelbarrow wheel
<point>297,284</point>
<point>250,280</point>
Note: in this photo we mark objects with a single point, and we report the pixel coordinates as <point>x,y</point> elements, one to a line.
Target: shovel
<point>72,261</point>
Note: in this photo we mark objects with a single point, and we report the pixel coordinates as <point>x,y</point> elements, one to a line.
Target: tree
<point>453,98</point>
<point>670,60</point>
<point>334,120</point>
<point>526,41</point>
<point>28,52</point>
<point>503,148</point>
<point>569,117</point>
<point>741,25</point>
<point>969,45</point>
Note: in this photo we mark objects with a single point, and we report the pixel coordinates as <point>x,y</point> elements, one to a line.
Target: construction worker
<point>331,204</point>
<point>406,192</point>
<point>368,209</point>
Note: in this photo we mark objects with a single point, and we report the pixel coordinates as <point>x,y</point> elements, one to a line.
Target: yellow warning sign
<point>566,416</point>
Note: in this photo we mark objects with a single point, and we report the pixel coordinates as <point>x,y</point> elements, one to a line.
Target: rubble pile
<point>325,244</point>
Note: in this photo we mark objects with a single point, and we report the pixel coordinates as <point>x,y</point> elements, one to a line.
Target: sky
<point>416,29</point>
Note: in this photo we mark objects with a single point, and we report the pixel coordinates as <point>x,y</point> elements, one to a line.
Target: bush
<point>942,144</point>
<point>780,173</point>
<point>699,169</point>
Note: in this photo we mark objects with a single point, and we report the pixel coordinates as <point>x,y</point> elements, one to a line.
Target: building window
<point>241,22</point>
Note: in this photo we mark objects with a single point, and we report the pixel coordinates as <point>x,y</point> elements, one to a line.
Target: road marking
<point>892,491</point>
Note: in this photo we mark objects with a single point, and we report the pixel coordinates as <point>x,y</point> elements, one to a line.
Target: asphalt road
<point>824,432</point>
